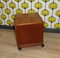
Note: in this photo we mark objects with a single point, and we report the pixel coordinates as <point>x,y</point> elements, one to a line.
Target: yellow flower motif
<point>51,19</point>
<point>45,12</point>
<point>24,5</point>
<point>58,13</point>
<point>12,5</point>
<point>9,22</point>
<point>1,5</point>
<point>12,16</point>
<point>57,25</point>
<point>7,11</point>
<point>3,16</point>
<point>53,5</point>
<point>17,0</point>
<point>46,24</point>
<point>5,0</point>
<point>45,0</point>
<point>38,5</point>
<point>0,22</point>
<point>31,11</point>
<point>19,11</point>
<point>31,0</point>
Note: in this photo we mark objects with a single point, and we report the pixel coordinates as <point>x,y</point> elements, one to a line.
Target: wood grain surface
<point>8,48</point>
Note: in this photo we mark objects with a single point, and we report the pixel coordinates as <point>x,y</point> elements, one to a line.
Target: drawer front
<point>29,34</point>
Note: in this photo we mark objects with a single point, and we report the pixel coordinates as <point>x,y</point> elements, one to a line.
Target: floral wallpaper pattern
<point>49,10</point>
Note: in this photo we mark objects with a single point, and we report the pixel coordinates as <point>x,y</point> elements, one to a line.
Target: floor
<point>8,48</point>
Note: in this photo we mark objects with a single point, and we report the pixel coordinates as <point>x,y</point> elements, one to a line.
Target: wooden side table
<point>29,30</point>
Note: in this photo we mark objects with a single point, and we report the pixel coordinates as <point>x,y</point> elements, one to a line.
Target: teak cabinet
<point>29,30</point>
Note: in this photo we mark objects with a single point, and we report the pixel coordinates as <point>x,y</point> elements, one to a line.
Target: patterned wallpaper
<point>49,10</point>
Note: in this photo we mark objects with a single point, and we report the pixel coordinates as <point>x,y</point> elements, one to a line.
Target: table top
<point>23,19</point>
